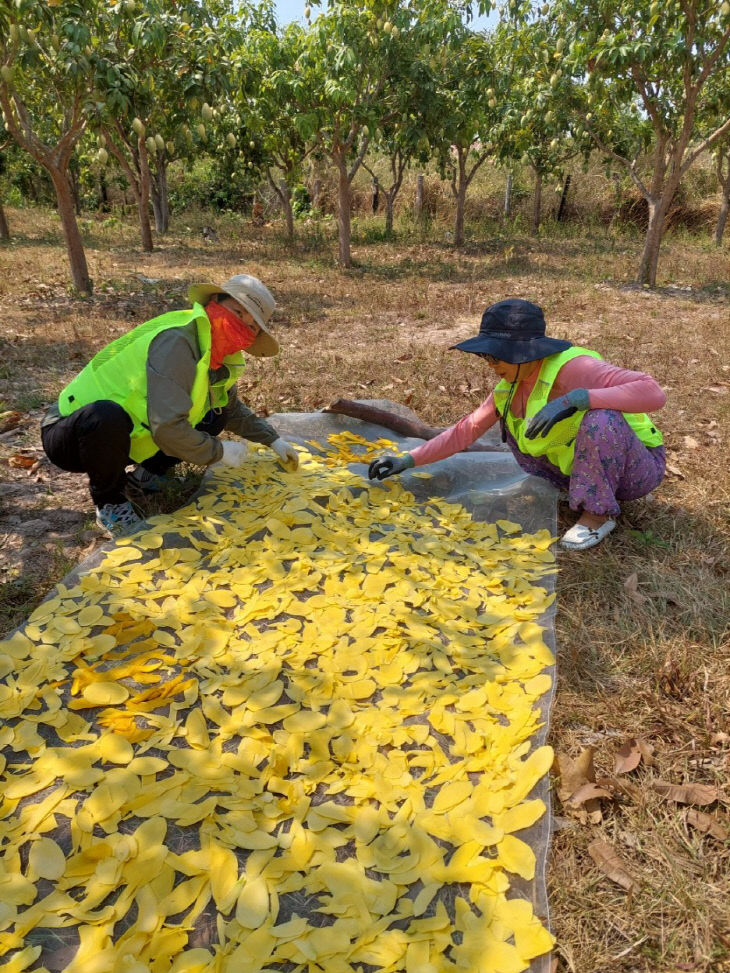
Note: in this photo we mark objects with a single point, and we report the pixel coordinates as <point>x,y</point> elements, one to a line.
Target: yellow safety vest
<point>558,446</point>
<point>119,373</point>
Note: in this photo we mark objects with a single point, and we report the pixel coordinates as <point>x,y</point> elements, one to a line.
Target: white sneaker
<point>118,519</point>
<point>580,537</point>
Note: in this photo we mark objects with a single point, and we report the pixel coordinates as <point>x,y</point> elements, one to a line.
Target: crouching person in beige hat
<point>161,394</point>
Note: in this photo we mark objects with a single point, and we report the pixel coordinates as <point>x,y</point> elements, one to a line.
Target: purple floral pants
<point>610,464</point>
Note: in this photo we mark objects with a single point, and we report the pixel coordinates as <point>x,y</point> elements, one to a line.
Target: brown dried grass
<point>653,666</point>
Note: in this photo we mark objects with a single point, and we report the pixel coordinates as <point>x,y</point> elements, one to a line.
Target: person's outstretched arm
<point>459,436</point>
<point>448,442</point>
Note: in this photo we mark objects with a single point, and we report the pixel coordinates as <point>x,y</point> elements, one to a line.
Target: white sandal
<point>580,537</point>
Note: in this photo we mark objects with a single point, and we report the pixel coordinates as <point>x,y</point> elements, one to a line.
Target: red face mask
<point>228,333</point>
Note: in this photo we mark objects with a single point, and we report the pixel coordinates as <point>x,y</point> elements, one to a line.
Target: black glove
<point>562,408</point>
<point>388,465</point>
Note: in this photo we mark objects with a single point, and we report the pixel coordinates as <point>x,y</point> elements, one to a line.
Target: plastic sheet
<point>491,487</point>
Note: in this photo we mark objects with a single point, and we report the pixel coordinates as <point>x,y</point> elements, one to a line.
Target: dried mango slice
<point>252,906</point>
<point>46,859</point>
<point>105,693</point>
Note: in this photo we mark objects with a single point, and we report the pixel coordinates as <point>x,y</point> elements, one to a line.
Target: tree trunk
<point>143,198</point>
<point>418,204</point>
<point>343,209</point>
<point>722,216</point>
<point>160,203</point>
<point>103,193</point>
<point>75,195</point>
<point>508,196</point>
<point>4,228</point>
<point>459,220</point>
<point>316,194</point>
<point>563,198</point>
<point>460,207</point>
<point>74,243</point>
<point>537,203</point>
<point>406,427</point>
<point>285,196</point>
<point>389,203</point>
<point>655,230</point>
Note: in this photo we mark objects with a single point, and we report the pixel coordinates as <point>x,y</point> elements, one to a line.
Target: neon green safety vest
<point>119,373</point>
<point>558,446</point>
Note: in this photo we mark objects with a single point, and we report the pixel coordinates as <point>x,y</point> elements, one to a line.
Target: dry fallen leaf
<point>686,793</point>
<point>574,773</point>
<point>588,792</point>
<point>647,752</point>
<point>628,757</point>
<point>609,862</point>
<point>22,462</point>
<point>675,470</point>
<point>9,420</point>
<point>707,824</point>
<point>691,443</point>
<point>621,786</point>
<point>631,584</point>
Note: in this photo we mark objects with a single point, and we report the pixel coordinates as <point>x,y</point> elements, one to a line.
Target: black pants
<point>96,440</point>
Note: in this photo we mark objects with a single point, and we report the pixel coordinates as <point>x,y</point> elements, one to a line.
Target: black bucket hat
<point>513,331</point>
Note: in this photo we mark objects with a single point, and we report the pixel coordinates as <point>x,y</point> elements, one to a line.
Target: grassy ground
<point>647,659</point>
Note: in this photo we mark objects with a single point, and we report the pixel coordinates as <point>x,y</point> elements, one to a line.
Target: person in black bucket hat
<point>566,415</point>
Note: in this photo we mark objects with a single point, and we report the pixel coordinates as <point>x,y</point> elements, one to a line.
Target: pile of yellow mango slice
<point>288,728</point>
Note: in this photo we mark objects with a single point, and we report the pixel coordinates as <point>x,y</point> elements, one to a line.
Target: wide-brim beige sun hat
<point>255,297</point>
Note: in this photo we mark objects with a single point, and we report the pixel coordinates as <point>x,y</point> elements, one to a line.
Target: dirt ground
<point>643,619</point>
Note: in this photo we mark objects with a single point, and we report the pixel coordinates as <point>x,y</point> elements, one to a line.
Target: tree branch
<point>717,136</point>
<point>358,161</point>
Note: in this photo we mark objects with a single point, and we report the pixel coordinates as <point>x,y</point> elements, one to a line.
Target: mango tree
<point>345,86</point>
<point>655,64</point>
<point>48,66</point>
<point>158,72</point>
<point>470,97</point>
<point>717,107</point>
<point>262,102</point>
<point>535,122</point>
<point>405,134</point>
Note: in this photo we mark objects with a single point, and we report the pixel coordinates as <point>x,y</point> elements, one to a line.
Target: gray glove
<point>567,405</point>
<point>388,465</point>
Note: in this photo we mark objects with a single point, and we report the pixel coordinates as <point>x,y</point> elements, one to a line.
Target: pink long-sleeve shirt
<point>608,387</point>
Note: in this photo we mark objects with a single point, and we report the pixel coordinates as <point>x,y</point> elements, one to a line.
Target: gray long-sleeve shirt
<point>171,364</point>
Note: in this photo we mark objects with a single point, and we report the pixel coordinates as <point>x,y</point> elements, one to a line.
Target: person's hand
<point>388,465</point>
<point>561,408</point>
<point>287,455</point>
<point>234,454</point>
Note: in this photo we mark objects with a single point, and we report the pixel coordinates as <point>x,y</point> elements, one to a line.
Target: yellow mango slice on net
<point>105,693</point>
<point>451,795</point>
<point>520,816</point>
<point>22,960</point>
<point>223,875</point>
<point>252,906</point>
<point>516,856</point>
<point>46,859</point>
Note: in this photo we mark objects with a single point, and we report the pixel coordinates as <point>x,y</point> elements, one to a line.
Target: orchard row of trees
<point>140,83</point>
